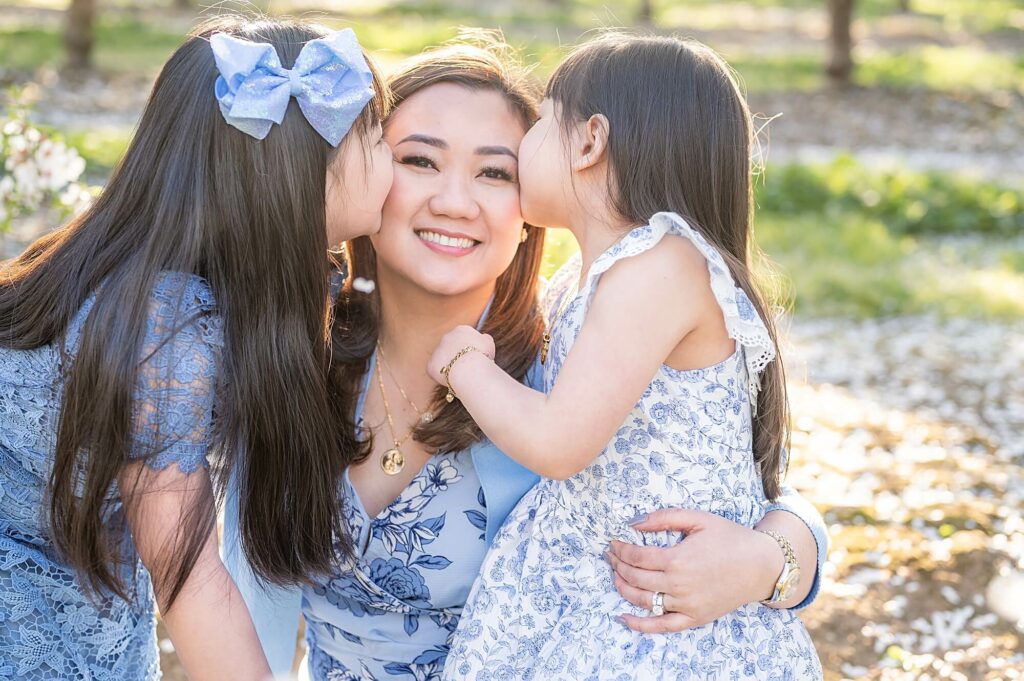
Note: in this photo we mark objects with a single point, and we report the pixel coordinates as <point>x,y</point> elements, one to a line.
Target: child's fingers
<point>646,557</point>
<point>666,624</point>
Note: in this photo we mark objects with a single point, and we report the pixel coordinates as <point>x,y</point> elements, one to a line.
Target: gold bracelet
<point>450,397</point>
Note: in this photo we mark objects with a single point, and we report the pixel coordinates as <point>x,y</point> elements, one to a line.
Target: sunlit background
<point>890,207</point>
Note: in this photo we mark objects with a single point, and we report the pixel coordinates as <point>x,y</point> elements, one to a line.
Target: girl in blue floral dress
<point>184,315</point>
<point>663,385</point>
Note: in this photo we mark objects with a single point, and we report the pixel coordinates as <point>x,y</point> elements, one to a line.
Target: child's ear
<point>593,143</point>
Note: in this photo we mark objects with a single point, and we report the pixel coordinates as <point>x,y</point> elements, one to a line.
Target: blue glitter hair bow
<point>330,80</point>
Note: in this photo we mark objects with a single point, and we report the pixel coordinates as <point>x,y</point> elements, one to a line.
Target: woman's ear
<point>592,145</point>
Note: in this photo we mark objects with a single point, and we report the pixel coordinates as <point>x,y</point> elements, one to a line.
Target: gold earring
<point>524,235</point>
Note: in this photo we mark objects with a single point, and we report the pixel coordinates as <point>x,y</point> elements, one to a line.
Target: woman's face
<point>452,221</point>
<point>358,180</point>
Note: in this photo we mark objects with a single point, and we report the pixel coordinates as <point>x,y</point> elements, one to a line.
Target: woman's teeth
<point>442,240</point>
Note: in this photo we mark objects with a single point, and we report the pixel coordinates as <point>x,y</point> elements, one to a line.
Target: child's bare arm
<point>642,309</point>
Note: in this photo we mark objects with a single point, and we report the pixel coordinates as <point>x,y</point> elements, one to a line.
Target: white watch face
<point>789,582</point>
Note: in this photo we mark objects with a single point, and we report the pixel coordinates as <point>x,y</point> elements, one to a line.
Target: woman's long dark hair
<point>680,140</point>
<point>197,196</point>
<point>515,320</point>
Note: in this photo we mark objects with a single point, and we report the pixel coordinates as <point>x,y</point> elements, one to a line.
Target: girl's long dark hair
<point>197,196</point>
<point>680,140</point>
<point>480,62</point>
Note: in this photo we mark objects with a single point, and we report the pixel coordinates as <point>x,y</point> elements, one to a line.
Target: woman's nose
<point>454,199</point>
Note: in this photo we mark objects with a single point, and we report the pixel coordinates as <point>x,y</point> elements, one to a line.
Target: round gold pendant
<point>392,462</point>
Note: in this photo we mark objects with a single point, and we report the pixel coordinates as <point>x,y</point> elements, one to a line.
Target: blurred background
<point>890,207</point>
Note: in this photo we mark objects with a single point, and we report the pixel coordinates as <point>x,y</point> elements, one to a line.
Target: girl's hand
<point>455,340</point>
<point>717,568</point>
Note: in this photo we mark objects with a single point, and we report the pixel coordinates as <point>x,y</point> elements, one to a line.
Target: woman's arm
<point>275,610</point>
<point>208,622</point>
<point>799,509</point>
<point>717,568</point>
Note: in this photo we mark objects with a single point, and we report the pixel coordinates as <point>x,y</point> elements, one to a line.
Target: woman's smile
<point>446,242</point>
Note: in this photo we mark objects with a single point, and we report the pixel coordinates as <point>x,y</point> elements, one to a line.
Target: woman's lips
<point>447,244</point>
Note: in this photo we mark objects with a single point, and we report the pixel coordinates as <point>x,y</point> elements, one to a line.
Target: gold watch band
<point>790,575</point>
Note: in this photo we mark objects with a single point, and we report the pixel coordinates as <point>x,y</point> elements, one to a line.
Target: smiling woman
<point>455,192</point>
<point>427,493</point>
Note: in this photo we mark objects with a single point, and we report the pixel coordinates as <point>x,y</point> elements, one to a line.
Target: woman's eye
<point>418,161</point>
<point>497,174</point>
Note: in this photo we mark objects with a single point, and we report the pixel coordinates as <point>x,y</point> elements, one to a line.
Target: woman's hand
<point>717,568</point>
<point>455,340</point>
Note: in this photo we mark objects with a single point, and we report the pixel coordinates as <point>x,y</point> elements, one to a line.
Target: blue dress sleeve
<point>173,401</point>
<point>791,501</point>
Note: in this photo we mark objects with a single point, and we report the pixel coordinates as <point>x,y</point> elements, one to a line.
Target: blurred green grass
<point>121,45</point>
<point>842,240</point>
<point>139,46</point>
<point>847,240</point>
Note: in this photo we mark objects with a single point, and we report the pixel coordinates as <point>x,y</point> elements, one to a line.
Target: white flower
<point>39,171</point>
<point>364,285</point>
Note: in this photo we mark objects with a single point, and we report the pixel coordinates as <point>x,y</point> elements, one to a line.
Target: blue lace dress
<point>49,630</point>
<point>389,612</point>
<point>545,605</point>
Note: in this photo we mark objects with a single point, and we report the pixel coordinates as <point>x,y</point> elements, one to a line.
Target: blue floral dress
<point>545,606</point>
<point>389,612</point>
<point>49,630</point>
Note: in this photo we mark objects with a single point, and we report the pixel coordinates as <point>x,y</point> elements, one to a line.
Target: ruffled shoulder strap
<point>742,321</point>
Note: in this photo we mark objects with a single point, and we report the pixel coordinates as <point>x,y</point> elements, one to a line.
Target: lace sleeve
<point>173,405</point>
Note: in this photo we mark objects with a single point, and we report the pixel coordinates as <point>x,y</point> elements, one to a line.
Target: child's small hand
<point>455,340</point>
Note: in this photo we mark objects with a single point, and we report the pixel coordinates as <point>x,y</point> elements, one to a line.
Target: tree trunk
<point>183,4</point>
<point>904,5</point>
<point>646,15</point>
<point>840,66</point>
<point>78,34</point>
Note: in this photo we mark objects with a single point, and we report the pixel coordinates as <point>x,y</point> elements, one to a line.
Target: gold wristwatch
<point>790,577</point>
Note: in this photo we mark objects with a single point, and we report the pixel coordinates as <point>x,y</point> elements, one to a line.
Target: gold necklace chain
<point>393,461</point>
<point>425,417</point>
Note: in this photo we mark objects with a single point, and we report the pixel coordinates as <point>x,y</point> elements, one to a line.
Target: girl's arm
<point>209,624</point>
<point>635,321</point>
<point>166,490</point>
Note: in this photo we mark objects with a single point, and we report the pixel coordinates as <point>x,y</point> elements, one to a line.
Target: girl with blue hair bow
<point>186,313</point>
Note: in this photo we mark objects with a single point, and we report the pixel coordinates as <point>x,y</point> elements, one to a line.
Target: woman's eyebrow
<point>494,150</point>
<point>425,139</point>
<point>439,143</point>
